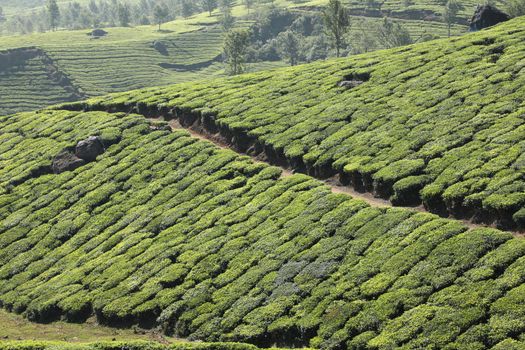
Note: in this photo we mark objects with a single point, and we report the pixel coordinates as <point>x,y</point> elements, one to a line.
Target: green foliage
<point>170,230</point>
<point>437,123</point>
<point>235,45</point>
<point>53,13</point>
<point>337,22</point>
<point>515,8</point>
<point>160,14</point>
<point>131,345</point>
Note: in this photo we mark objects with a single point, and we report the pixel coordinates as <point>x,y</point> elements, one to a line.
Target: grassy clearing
<point>15,327</point>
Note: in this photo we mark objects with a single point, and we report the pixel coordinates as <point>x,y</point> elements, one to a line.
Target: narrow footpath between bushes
<point>333,182</point>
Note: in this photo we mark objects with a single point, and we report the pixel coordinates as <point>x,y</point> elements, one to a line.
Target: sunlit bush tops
<point>164,229</point>
<point>440,123</point>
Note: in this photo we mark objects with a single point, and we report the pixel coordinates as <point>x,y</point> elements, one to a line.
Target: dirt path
<point>333,183</point>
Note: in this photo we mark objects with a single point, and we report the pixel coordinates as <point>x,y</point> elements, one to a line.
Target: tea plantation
<point>28,85</point>
<point>440,123</point>
<point>126,59</point>
<point>164,229</point>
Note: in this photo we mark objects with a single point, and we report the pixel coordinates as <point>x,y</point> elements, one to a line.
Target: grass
<point>16,328</point>
<point>452,107</point>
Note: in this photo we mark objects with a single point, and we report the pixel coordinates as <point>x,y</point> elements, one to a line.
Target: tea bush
<point>438,123</point>
<point>165,229</point>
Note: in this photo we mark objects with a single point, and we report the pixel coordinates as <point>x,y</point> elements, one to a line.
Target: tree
<point>337,22</point>
<point>235,47</point>
<point>123,14</point>
<point>248,4</point>
<point>390,34</point>
<point>186,8</point>
<point>288,45</point>
<point>209,5</point>
<point>54,14</point>
<point>160,13</point>
<point>227,20</point>
<point>452,7</point>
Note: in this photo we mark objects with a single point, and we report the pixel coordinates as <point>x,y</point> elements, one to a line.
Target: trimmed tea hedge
<point>442,123</point>
<point>164,229</point>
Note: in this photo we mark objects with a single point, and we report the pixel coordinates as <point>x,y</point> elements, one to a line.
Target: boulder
<point>66,161</point>
<point>487,16</point>
<point>160,47</point>
<point>89,149</point>
<point>350,84</point>
<point>97,33</point>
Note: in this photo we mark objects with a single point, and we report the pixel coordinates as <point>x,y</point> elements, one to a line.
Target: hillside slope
<point>440,123</point>
<point>122,60</point>
<point>126,59</point>
<point>164,229</point>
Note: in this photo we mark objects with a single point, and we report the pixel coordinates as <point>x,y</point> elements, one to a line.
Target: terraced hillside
<point>427,10</point>
<point>117,62</point>
<point>30,79</point>
<point>440,123</point>
<point>126,59</point>
<point>165,229</point>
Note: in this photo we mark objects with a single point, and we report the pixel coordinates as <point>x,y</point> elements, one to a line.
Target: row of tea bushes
<point>440,123</point>
<point>165,229</point>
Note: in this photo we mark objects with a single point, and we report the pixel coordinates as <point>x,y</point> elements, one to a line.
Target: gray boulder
<point>66,161</point>
<point>89,149</point>
<point>160,47</point>
<point>350,84</point>
<point>486,16</point>
<point>97,33</point>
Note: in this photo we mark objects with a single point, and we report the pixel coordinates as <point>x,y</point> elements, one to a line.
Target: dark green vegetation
<point>166,230</point>
<point>440,123</point>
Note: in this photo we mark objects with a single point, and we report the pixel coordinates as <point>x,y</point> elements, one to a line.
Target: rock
<point>350,84</point>
<point>160,47</point>
<point>89,149</point>
<point>98,33</point>
<point>66,161</point>
<point>487,16</point>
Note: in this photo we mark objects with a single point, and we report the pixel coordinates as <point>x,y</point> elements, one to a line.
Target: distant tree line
<point>280,34</point>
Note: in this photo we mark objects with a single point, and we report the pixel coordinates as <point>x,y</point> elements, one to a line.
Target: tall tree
<point>209,5</point>
<point>186,8</point>
<point>452,7</point>
<point>53,13</point>
<point>288,44</point>
<point>235,46</point>
<point>124,15</point>
<point>227,19</point>
<point>160,13</point>
<point>248,4</point>
<point>337,22</point>
<point>390,34</point>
